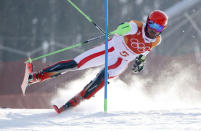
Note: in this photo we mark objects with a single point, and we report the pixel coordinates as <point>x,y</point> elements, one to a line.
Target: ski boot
<point>47,73</point>
<point>71,103</point>
<point>31,78</point>
<point>52,71</point>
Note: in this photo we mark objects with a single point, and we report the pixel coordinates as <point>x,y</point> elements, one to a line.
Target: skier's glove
<point>122,29</point>
<point>138,64</point>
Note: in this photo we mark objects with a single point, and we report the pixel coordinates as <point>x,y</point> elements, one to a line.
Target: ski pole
<point>117,31</point>
<point>64,49</point>
<point>122,29</point>
<point>87,17</point>
<point>69,47</point>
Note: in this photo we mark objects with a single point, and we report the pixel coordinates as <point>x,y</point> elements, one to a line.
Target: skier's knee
<point>94,86</point>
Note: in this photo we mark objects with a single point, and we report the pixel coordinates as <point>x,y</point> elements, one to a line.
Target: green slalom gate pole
<point>87,17</point>
<point>106,53</point>
<point>64,49</point>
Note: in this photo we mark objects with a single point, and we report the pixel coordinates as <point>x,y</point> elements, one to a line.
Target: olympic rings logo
<point>140,47</point>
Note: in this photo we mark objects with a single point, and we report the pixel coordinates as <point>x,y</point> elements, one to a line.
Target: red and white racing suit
<point>121,50</point>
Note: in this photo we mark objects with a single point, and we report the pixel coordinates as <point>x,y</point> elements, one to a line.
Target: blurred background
<point>33,28</point>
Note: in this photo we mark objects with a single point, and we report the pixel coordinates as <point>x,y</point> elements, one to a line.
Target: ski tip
<point>23,88</point>
<point>24,83</point>
<point>56,109</point>
<point>28,70</point>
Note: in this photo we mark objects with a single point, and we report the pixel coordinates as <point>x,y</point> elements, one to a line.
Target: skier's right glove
<point>122,29</point>
<point>138,64</point>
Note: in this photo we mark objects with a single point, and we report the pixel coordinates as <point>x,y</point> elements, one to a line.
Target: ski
<point>25,83</point>
<point>58,110</point>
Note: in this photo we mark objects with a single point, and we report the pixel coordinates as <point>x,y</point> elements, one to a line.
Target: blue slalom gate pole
<point>106,53</point>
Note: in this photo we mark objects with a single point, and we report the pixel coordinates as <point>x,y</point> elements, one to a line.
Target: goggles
<point>157,27</point>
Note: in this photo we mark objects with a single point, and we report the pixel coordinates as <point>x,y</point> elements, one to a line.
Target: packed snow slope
<point>171,104</point>
<point>48,120</point>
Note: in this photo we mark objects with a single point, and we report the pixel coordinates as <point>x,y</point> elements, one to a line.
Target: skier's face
<point>153,29</point>
<point>151,33</point>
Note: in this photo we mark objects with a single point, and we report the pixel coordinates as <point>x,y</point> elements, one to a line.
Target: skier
<point>132,42</point>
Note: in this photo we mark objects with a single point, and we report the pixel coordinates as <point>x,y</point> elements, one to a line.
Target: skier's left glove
<point>138,64</point>
<point>122,29</point>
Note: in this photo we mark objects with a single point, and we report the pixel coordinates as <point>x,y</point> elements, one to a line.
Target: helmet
<point>158,17</point>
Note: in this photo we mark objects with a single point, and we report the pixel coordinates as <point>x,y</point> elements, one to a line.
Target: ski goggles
<point>155,26</point>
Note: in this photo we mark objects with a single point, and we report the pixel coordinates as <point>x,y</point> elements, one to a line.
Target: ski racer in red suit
<point>132,42</point>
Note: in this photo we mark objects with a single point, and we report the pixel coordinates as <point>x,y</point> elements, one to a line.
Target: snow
<point>170,108</point>
<point>153,120</point>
